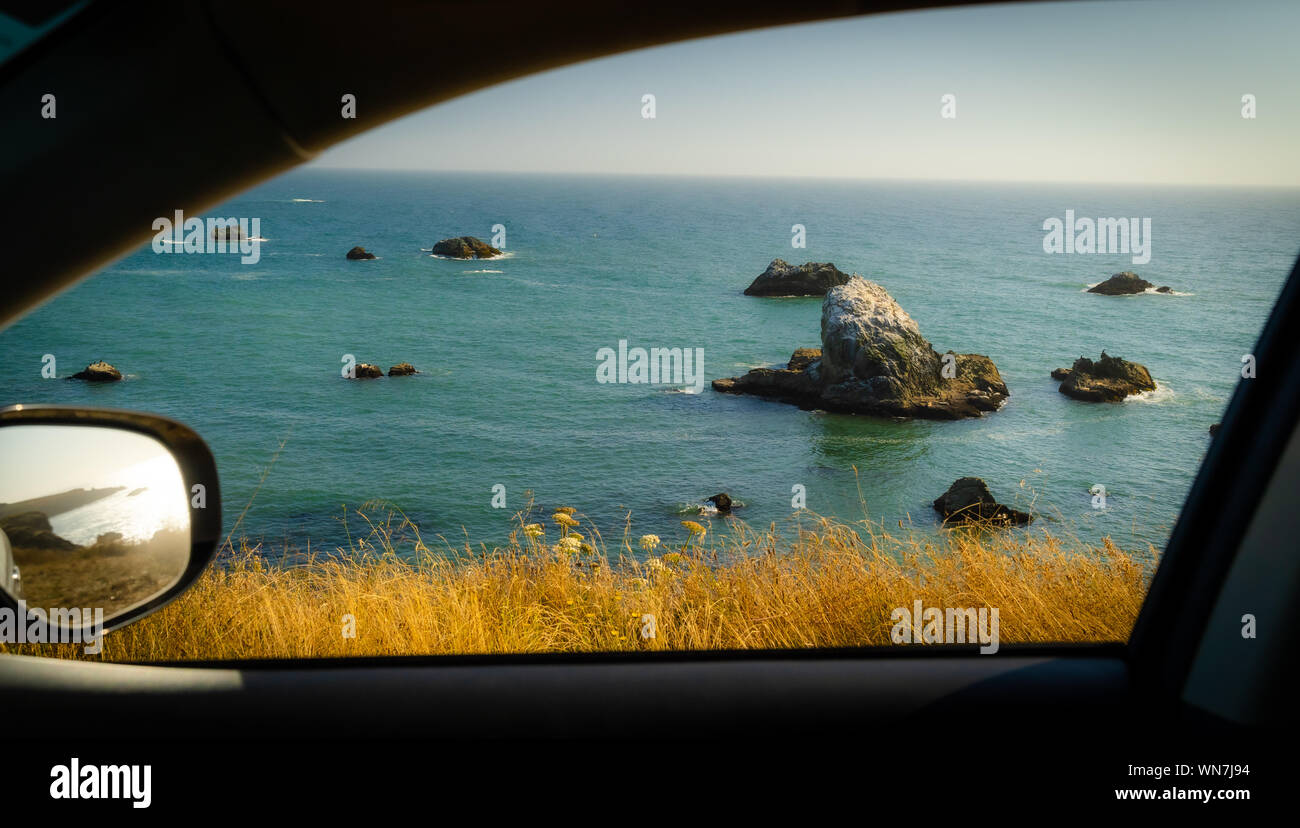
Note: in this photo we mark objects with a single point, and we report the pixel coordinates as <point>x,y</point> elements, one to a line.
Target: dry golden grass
<point>816,583</point>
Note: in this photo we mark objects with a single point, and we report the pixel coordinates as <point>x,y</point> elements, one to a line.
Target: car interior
<point>188,104</point>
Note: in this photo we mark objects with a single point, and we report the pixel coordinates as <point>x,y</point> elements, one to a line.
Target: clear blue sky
<point>44,459</point>
<point>1085,92</point>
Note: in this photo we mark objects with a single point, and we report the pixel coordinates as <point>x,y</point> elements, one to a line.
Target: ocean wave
<point>1149,291</point>
<point>433,255</point>
<point>307,200</point>
<point>1163,393</point>
<point>485,271</point>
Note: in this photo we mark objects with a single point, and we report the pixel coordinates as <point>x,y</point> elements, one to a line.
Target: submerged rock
<point>809,279</point>
<point>722,501</point>
<point>465,247</point>
<point>359,253</point>
<point>874,360</point>
<point>402,369</point>
<point>1110,379</point>
<point>98,371</point>
<point>364,370</point>
<point>969,500</point>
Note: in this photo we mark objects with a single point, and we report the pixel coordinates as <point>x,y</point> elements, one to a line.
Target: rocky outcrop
<point>722,502</point>
<point>809,279</point>
<point>402,369</point>
<point>969,500</point>
<point>795,383</point>
<point>1122,284</point>
<point>1060,374</point>
<point>874,360</point>
<point>364,370</point>
<point>98,371</point>
<point>1109,379</point>
<point>32,530</point>
<point>465,247</point>
<point>358,253</point>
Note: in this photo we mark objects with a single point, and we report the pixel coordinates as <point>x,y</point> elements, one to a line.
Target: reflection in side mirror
<point>96,514</point>
<point>94,517</point>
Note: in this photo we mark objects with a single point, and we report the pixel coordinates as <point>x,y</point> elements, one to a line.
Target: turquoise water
<point>250,355</point>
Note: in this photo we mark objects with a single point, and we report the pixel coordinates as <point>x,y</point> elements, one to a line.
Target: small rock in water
<point>465,247</point>
<point>359,253</point>
<point>1214,429</point>
<point>98,371</point>
<point>969,499</point>
<point>402,369</point>
<point>364,370</point>
<point>722,502</point>
<point>1110,379</point>
<point>1123,284</point>
<point>808,279</point>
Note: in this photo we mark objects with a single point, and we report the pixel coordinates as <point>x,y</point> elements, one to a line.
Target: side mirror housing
<point>105,517</point>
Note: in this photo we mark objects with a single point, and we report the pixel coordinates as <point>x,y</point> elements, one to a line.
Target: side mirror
<point>105,517</point>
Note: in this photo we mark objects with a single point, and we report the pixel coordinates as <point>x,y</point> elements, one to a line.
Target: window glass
<point>889,331</point>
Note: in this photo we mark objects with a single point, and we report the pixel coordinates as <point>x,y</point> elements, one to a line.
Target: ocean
<point>250,355</point>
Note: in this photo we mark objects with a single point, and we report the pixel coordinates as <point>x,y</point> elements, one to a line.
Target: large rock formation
<point>465,247</point>
<point>1110,379</point>
<point>98,371</point>
<point>874,360</point>
<point>359,253</point>
<point>1122,284</point>
<point>969,500</point>
<point>809,279</point>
